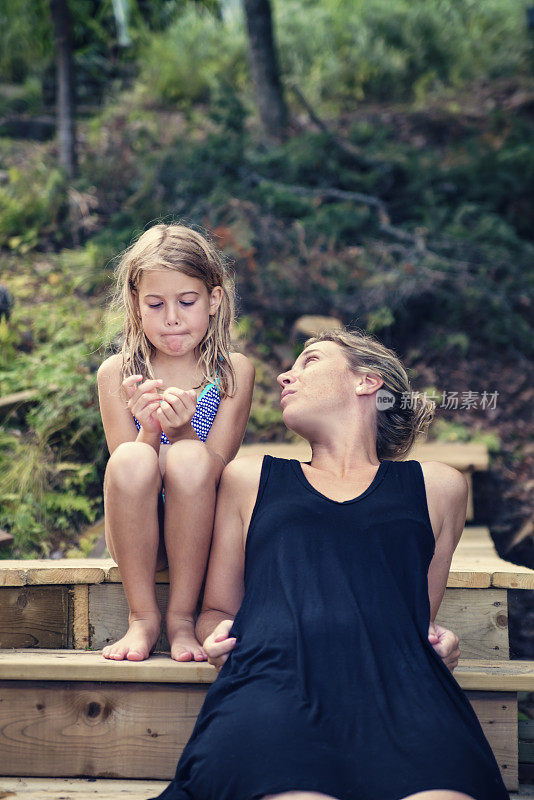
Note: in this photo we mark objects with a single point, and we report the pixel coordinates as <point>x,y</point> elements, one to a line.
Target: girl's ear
<point>215,299</point>
<point>136,300</point>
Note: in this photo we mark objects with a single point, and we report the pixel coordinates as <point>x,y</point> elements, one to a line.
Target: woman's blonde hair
<point>401,421</point>
<point>182,249</point>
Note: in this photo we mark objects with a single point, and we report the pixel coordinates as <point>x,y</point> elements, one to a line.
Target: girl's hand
<point>143,401</point>
<point>218,644</point>
<point>176,410</point>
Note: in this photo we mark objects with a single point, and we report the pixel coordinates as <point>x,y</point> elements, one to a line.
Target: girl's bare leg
<point>131,487</point>
<point>192,472</point>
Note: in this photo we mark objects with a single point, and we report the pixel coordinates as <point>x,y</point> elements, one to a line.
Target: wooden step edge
<point>87,665</point>
<point>475,564</point>
<point>81,788</point>
<point>116,788</point>
<point>83,665</point>
<point>63,571</point>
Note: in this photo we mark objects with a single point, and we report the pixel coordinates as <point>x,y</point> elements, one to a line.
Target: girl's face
<point>175,310</point>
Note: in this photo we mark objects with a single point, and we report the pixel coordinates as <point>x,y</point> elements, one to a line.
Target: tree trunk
<point>264,68</point>
<point>64,85</point>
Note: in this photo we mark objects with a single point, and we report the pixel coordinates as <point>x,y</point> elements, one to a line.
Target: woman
<point>323,580</point>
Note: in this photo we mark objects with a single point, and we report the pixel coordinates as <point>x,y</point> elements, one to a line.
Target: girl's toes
<point>182,654</point>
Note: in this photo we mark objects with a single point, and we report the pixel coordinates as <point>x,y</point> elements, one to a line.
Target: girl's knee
<point>133,465</point>
<point>191,464</point>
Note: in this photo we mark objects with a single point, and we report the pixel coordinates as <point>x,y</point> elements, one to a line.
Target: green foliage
<point>190,59</point>
<point>32,206</point>
<point>52,456</point>
<point>397,49</point>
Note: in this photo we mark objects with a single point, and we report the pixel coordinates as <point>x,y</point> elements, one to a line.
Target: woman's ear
<point>368,383</point>
<point>215,298</point>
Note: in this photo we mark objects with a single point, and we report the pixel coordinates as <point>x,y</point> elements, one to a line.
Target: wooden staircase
<point>67,712</point>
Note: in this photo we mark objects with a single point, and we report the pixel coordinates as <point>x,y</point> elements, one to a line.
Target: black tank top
<point>332,685</point>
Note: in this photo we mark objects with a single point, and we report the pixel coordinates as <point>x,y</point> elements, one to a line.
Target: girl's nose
<point>171,316</point>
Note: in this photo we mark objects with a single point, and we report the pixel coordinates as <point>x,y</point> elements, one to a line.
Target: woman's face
<point>319,386</point>
<point>175,309</point>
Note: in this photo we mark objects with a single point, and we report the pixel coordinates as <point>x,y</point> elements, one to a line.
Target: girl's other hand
<point>177,409</point>
<point>143,401</point>
<point>218,644</point>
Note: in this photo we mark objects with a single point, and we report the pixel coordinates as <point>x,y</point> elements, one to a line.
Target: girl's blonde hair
<point>399,423</point>
<point>180,248</point>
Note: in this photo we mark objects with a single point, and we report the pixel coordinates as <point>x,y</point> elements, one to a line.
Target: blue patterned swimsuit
<point>202,420</point>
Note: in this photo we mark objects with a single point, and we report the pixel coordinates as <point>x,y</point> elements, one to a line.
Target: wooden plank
<point>108,614</point>
<point>497,713</point>
<point>115,789</point>
<point>479,674</point>
<point>80,598</point>
<point>35,616</point>
<point>79,789</point>
<point>122,730</point>
<point>139,731</point>
<point>25,572</point>
<point>479,619</point>
<point>87,665</point>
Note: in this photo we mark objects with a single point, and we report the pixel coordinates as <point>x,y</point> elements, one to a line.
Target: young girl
<point>174,405</point>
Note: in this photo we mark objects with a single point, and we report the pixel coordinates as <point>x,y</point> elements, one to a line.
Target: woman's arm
<point>224,589</point>
<point>446,491</point>
<point>226,433</point>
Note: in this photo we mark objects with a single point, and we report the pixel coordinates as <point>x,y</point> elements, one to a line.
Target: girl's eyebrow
<point>180,294</point>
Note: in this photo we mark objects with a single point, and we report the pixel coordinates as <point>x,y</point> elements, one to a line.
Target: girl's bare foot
<point>143,632</point>
<point>183,642</point>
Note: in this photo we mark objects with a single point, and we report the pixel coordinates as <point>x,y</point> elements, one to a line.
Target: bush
<point>191,58</point>
<point>397,49</point>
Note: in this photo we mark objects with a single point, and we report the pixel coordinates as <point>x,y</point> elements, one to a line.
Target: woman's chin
<point>293,422</point>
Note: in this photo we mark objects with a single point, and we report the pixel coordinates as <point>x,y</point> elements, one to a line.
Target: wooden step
<point>109,789</point>
<point>80,603</point>
<point>73,713</point>
<point>475,556</point>
<point>82,789</point>
<point>90,665</point>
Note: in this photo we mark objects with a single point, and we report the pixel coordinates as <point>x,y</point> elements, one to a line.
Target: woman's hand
<point>445,643</point>
<point>177,409</point>
<point>218,644</point>
<point>143,401</point>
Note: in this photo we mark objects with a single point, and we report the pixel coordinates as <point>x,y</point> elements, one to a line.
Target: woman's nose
<point>283,378</point>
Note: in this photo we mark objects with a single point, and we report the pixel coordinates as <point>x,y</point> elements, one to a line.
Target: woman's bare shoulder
<point>241,476</point>
<point>445,485</point>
